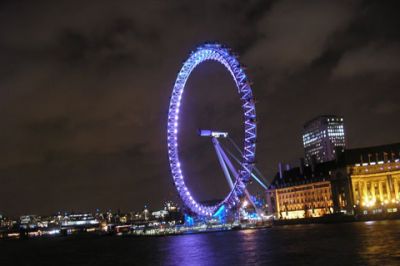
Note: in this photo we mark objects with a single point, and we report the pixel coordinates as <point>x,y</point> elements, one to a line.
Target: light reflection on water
<point>189,250</point>
<point>360,243</point>
<point>222,248</point>
<point>380,243</point>
<point>368,243</point>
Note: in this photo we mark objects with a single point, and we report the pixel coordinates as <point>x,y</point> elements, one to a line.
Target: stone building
<point>359,181</point>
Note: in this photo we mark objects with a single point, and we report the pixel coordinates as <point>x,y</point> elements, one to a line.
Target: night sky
<point>85,86</point>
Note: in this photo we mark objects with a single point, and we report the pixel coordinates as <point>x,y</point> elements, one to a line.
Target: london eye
<point>241,176</point>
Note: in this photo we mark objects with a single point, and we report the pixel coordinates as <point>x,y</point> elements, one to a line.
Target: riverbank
<point>338,218</point>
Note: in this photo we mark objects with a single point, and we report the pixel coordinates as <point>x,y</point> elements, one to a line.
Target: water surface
<point>362,243</point>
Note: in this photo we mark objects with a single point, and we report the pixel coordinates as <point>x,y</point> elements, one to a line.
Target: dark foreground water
<point>369,243</point>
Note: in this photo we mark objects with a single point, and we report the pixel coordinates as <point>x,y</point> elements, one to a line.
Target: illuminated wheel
<point>222,55</point>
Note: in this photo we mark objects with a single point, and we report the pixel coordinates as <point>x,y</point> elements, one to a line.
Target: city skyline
<point>84,101</point>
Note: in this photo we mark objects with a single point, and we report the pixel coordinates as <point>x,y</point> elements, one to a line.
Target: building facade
<point>376,186</point>
<point>313,199</point>
<point>360,181</point>
<point>323,137</point>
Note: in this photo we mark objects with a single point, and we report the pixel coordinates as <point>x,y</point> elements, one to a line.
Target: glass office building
<point>323,137</point>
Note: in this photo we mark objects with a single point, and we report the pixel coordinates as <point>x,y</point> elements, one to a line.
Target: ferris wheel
<point>241,175</point>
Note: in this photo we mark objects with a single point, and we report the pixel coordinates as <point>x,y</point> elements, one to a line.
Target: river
<point>359,243</point>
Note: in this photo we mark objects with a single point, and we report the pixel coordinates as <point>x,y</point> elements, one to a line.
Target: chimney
<point>313,163</point>
<point>385,157</point>
<point>301,166</point>
<point>280,170</point>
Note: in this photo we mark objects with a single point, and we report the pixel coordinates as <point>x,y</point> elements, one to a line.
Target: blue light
<point>219,212</point>
<point>221,54</point>
<point>189,220</point>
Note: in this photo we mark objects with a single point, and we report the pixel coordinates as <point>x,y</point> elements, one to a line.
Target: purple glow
<point>222,55</point>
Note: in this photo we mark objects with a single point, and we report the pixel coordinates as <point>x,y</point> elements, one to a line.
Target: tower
<point>323,138</point>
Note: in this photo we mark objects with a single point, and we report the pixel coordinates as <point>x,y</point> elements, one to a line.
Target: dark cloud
<point>374,59</point>
<point>386,108</point>
<point>295,33</point>
<point>85,90</point>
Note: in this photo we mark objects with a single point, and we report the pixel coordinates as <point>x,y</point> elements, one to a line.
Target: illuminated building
<point>170,212</point>
<point>160,214</point>
<point>5,222</point>
<point>30,221</point>
<point>170,206</point>
<point>293,195</point>
<point>374,177</point>
<point>146,213</point>
<point>359,181</point>
<point>376,184</point>
<point>2,221</point>
<point>323,137</point>
<point>74,220</point>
